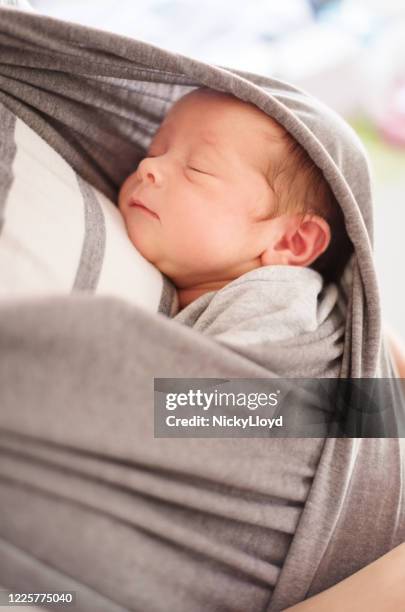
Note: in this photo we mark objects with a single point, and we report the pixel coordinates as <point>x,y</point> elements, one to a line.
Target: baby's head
<point>229,191</point>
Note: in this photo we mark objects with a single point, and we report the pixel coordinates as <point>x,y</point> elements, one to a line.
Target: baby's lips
<point>136,202</point>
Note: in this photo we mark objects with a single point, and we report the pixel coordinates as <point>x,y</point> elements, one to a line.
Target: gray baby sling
<point>74,408</point>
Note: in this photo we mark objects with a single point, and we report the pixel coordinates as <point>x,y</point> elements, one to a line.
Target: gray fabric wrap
<point>89,497</point>
<point>7,154</point>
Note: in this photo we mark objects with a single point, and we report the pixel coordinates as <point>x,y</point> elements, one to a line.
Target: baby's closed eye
<point>197,170</point>
<point>153,153</point>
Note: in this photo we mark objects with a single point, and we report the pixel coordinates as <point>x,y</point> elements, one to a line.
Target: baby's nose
<point>148,170</point>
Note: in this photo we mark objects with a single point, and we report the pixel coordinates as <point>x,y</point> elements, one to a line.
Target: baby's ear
<point>300,240</point>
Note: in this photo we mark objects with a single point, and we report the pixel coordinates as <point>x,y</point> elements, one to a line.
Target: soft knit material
<point>271,315</point>
<point>91,501</point>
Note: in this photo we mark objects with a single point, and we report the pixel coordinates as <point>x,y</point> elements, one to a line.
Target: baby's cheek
<point>121,196</point>
<point>126,188</point>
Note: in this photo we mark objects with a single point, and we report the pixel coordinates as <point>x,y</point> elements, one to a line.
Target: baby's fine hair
<point>299,186</point>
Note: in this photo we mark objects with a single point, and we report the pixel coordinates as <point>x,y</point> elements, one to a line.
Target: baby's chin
<point>140,242</point>
<point>146,246</point>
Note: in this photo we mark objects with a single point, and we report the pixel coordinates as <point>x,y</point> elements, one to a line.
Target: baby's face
<point>204,178</point>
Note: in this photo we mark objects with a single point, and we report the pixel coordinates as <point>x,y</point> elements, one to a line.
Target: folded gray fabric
<point>88,494</point>
<point>273,314</point>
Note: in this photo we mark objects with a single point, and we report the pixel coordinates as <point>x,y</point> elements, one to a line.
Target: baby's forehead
<point>219,119</point>
<point>219,105</point>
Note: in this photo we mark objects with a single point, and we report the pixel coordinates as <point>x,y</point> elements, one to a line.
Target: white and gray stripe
<point>7,154</point>
<point>168,297</point>
<point>92,256</point>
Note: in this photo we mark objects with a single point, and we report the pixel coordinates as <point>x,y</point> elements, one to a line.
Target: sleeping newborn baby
<point>232,209</point>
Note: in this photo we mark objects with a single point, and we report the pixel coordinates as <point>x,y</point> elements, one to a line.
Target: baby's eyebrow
<point>209,138</point>
<point>210,141</point>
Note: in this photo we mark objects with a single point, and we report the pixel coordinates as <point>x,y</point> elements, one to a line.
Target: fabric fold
<point>77,372</point>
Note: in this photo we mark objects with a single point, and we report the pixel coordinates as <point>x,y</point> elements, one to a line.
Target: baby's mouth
<point>135,203</point>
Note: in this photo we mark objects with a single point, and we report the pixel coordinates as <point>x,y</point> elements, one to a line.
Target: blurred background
<point>351,54</point>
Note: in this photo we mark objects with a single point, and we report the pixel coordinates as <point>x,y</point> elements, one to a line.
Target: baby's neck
<point>189,294</point>
<point>186,295</point>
